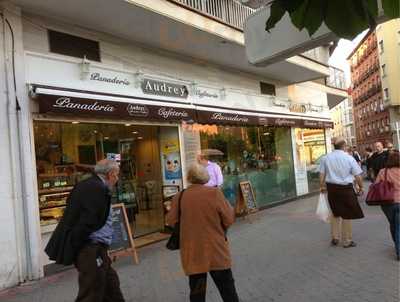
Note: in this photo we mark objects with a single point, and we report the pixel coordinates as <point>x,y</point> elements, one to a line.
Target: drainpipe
<point>13,137</point>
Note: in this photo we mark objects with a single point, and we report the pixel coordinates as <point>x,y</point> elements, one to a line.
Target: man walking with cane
<point>84,234</point>
<point>337,172</point>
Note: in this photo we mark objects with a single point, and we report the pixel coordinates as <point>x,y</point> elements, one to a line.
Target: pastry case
<point>53,190</point>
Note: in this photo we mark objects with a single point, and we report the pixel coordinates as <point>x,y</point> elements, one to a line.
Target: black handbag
<point>173,241</point>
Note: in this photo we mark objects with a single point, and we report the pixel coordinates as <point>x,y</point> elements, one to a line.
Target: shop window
<point>150,167</point>
<point>261,155</point>
<point>267,88</point>
<point>73,46</point>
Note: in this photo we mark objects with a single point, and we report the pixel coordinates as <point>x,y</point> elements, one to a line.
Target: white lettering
<point>65,102</point>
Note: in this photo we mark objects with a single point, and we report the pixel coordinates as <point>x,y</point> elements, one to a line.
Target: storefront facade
<point>154,113</point>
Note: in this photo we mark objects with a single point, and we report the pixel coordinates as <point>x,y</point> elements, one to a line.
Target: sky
<point>342,51</point>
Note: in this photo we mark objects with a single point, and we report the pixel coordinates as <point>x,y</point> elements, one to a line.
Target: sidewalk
<point>280,254</point>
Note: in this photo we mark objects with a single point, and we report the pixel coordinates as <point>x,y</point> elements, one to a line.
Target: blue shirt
<point>105,234</point>
<point>339,168</point>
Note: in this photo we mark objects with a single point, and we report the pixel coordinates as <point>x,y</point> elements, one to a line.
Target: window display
<point>67,152</point>
<point>261,155</point>
<point>311,148</point>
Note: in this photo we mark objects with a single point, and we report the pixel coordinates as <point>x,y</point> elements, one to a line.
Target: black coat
<point>88,207</point>
<point>378,161</point>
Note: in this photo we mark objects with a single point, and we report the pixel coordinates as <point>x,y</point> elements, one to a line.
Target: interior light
<point>106,137</point>
<point>266,133</point>
<point>75,122</point>
<point>140,137</point>
<point>135,132</point>
<point>127,125</point>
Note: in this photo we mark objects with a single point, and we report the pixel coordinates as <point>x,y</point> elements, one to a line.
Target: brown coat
<point>204,214</point>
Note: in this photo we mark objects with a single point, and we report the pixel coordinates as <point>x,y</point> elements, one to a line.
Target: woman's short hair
<point>197,175</point>
<point>393,160</point>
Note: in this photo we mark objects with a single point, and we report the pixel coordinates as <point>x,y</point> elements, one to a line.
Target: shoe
<point>334,242</point>
<point>351,244</point>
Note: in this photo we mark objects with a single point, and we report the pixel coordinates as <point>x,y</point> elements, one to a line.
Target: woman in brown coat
<point>204,248</point>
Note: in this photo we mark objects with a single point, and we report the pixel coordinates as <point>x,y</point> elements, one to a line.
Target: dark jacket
<point>378,162</point>
<point>88,207</point>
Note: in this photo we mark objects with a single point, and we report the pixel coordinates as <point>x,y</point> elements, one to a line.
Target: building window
<point>386,90</point>
<point>381,49</point>
<point>73,46</point>
<point>384,70</point>
<point>267,88</point>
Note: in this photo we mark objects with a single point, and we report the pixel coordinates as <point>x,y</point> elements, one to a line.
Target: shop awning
<point>209,115</point>
<point>90,104</point>
<point>110,106</point>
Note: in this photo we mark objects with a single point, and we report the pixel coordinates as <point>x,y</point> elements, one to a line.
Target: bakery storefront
<point>75,129</point>
<point>155,127</point>
<point>259,147</point>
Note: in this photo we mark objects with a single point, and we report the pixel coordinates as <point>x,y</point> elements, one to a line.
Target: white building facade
<point>151,88</point>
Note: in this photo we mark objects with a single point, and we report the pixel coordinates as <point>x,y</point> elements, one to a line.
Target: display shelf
<point>63,205</point>
<point>55,190</point>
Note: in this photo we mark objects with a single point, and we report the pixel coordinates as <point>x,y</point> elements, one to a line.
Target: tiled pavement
<point>280,254</point>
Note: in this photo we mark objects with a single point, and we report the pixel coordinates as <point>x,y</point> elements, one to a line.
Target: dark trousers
<point>392,213</point>
<point>222,279</point>
<point>98,281</point>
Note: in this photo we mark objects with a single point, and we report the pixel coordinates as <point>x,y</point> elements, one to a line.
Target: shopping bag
<point>323,210</point>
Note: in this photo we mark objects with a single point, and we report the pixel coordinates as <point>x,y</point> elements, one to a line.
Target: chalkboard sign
<point>122,242</point>
<point>248,195</point>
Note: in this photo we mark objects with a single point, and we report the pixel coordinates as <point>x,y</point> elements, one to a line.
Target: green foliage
<point>346,18</point>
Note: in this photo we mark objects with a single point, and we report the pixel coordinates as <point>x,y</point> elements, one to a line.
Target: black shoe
<point>334,242</point>
<point>351,244</point>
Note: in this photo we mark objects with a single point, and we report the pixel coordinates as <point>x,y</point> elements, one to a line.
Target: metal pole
<point>398,134</point>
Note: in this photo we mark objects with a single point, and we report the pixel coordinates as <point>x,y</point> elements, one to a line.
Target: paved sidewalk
<point>280,254</point>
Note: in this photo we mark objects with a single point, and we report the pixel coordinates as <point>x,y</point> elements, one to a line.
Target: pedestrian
<point>84,234</point>
<point>389,147</point>
<point>356,155</point>
<point>338,171</point>
<point>213,169</point>
<point>205,216</point>
<point>392,211</point>
<point>378,159</point>
<point>367,162</point>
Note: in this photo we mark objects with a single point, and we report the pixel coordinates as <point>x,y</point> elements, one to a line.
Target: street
<point>280,254</point>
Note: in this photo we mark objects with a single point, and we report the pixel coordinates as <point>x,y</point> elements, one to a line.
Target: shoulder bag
<point>173,243</point>
<point>380,193</point>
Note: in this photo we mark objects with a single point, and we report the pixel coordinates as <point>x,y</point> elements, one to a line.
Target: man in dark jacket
<point>378,159</point>
<point>84,234</point>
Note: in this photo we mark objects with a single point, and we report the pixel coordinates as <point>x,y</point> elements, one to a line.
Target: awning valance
<point>83,103</point>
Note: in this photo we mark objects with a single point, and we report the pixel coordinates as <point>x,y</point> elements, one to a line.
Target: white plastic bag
<point>323,210</point>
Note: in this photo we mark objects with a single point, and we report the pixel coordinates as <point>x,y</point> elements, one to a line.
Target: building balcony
<point>207,31</point>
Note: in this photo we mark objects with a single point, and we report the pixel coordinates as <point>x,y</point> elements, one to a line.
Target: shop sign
<point>68,104</point>
<point>93,108</point>
<point>285,122</point>
<point>96,76</point>
<point>137,110</point>
<point>317,124</point>
<point>206,94</point>
<point>299,108</point>
<point>162,88</point>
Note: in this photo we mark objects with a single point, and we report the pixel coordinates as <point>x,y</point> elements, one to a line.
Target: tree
<point>345,18</point>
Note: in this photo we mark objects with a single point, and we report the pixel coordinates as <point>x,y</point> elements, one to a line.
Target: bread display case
<point>54,190</point>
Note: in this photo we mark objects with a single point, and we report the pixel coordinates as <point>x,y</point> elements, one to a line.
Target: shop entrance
<point>149,160</point>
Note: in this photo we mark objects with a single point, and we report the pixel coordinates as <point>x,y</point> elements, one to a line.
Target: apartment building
<point>371,117</point>
<point>388,38</point>
<point>152,84</point>
<point>342,117</point>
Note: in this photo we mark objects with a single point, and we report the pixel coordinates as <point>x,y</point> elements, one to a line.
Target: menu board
<point>248,195</point>
<point>122,242</point>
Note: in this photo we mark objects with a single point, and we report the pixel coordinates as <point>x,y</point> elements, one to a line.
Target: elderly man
<point>84,234</point>
<point>337,172</point>
<point>214,171</point>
